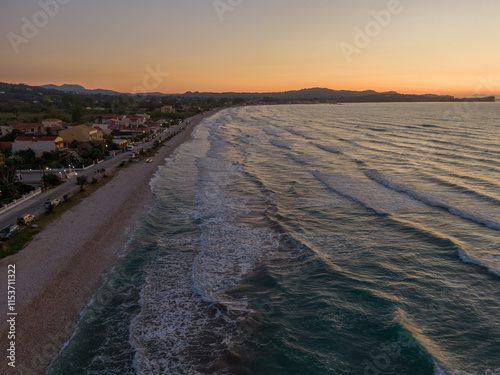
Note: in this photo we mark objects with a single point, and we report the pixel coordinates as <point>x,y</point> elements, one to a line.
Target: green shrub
<point>51,179</point>
<point>81,181</point>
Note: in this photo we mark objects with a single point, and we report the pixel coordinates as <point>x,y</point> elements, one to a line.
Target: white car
<point>53,203</point>
<point>130,148</point>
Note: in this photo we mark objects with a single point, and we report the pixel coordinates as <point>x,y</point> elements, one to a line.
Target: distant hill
<point>80,89</point>
<point>316,93</point>
<point>311,94</point>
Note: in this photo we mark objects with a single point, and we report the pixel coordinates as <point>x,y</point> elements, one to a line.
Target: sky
<point>174,46</point>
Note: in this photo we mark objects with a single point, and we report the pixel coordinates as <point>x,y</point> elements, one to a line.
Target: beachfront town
<point>54,145</point>
<point>37,157</point>
<point>52,140</point>
<point>86,155</point>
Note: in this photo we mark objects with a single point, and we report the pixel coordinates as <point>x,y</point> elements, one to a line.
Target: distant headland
<point>310,94</point>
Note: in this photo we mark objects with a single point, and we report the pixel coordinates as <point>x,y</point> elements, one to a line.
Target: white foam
<point>438,370</point>
<point>489,219</point>
<point>230,250</point>
<point>367,193</point>
<point>491,263</point>
<point>188,315</point>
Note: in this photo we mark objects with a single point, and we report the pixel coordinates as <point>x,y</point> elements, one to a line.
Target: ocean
<point>311,239</point>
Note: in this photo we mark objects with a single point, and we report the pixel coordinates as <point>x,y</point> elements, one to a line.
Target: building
<point>51,122</point>
<point>135,120</point>
<point>121,143</point>
<point>38,145</point>
<point>167,109</point>
<point>54,126</point>
<point>112,125</point>
<point>119,119</point>
<point>27,128</point>
<point>37,129</point>
<point>104,128</point>
<point>80,133</point>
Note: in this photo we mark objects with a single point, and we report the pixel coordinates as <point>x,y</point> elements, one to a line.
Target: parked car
<point>9,232</point>
<point>53,203</point>
<point>26,219</point>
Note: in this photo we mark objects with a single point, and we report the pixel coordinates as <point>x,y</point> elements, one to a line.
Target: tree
<point>6,151</point>
<point>23,188</point>
<point>8,178</point>
<point>73,159</point>
<point>89,102</point>
<point>16,111</point>
<point>51,179</point>
<point>77,115</point>
<point>11,137</point>
<point>237,101</point>
<point>81,181</point>
<point>52,112</point>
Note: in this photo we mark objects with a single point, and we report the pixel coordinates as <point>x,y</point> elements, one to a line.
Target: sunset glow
<point>448,47</point>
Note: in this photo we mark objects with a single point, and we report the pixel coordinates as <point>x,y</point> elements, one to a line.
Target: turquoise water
<point>311,239</point>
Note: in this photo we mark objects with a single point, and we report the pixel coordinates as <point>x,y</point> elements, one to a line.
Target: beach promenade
<point>57,273</point>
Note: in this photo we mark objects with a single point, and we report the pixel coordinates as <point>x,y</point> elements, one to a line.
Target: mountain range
<point>323,94</point>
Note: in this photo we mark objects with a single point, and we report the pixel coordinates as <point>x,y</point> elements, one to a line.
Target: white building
<point>38,145</point>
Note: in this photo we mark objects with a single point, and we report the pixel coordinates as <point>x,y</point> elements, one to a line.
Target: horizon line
<point>264,92</point>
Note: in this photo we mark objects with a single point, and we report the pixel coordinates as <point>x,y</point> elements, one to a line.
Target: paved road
<point>35,205</point>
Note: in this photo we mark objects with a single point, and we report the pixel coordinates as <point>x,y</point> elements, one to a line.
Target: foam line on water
<point>431,201</point>
<point>492,265</point>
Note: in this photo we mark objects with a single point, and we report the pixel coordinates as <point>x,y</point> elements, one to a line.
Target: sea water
<point>311,239</point>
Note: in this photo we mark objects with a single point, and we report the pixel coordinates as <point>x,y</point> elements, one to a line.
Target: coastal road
<point>35,206</point>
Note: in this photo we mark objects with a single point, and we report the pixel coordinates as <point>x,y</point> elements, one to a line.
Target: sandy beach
<point>57,273</point>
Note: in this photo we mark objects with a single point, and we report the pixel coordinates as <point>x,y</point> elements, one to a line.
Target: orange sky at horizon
<point>279,45</point>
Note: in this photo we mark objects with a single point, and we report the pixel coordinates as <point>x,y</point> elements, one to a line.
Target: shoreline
<point>58,272</point>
